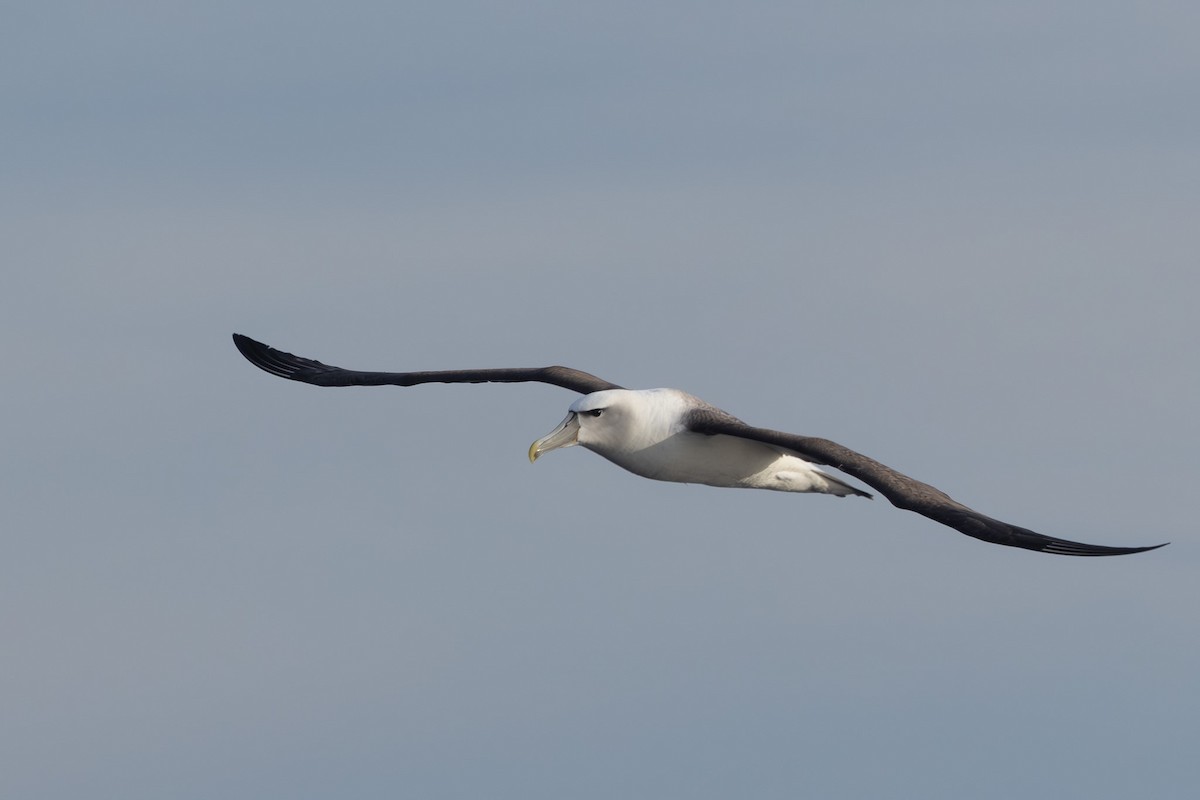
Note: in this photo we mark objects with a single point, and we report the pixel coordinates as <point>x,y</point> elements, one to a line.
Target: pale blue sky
<point>960,238</point>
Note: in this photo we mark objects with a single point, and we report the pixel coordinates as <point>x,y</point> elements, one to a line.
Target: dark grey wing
<point>903,491</point>
<point>306,370</point>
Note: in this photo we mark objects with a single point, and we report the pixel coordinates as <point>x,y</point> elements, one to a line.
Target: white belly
<point>725,461</point>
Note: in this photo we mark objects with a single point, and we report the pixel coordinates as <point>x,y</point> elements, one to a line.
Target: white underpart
<point>642,432</point>
<point>724,461</point>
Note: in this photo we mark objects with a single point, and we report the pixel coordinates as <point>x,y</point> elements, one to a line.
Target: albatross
<point>670,435</point>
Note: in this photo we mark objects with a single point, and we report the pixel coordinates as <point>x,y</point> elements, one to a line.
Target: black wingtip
<point>246,345</point>
<point>255,352</point>
<point>267,358</point>
<point>243,342</point>
<point>1063,547</point>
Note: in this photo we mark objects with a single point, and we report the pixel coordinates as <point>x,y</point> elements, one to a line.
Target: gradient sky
<point>961,238</point>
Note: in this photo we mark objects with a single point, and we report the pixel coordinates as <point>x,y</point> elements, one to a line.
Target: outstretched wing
<point>903,491</point>
<point>306,370</point>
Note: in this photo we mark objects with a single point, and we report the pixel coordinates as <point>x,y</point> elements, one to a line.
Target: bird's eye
<point>595,412</point>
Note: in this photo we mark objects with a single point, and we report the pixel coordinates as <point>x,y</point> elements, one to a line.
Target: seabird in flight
<point>669,435</point>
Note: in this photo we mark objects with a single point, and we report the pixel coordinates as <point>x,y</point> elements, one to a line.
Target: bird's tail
<point>837,486</point>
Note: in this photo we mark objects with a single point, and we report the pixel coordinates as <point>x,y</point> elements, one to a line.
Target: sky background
<point>960,238</point>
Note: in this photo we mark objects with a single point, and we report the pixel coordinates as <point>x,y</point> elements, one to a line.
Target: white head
<point>614,421</point>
